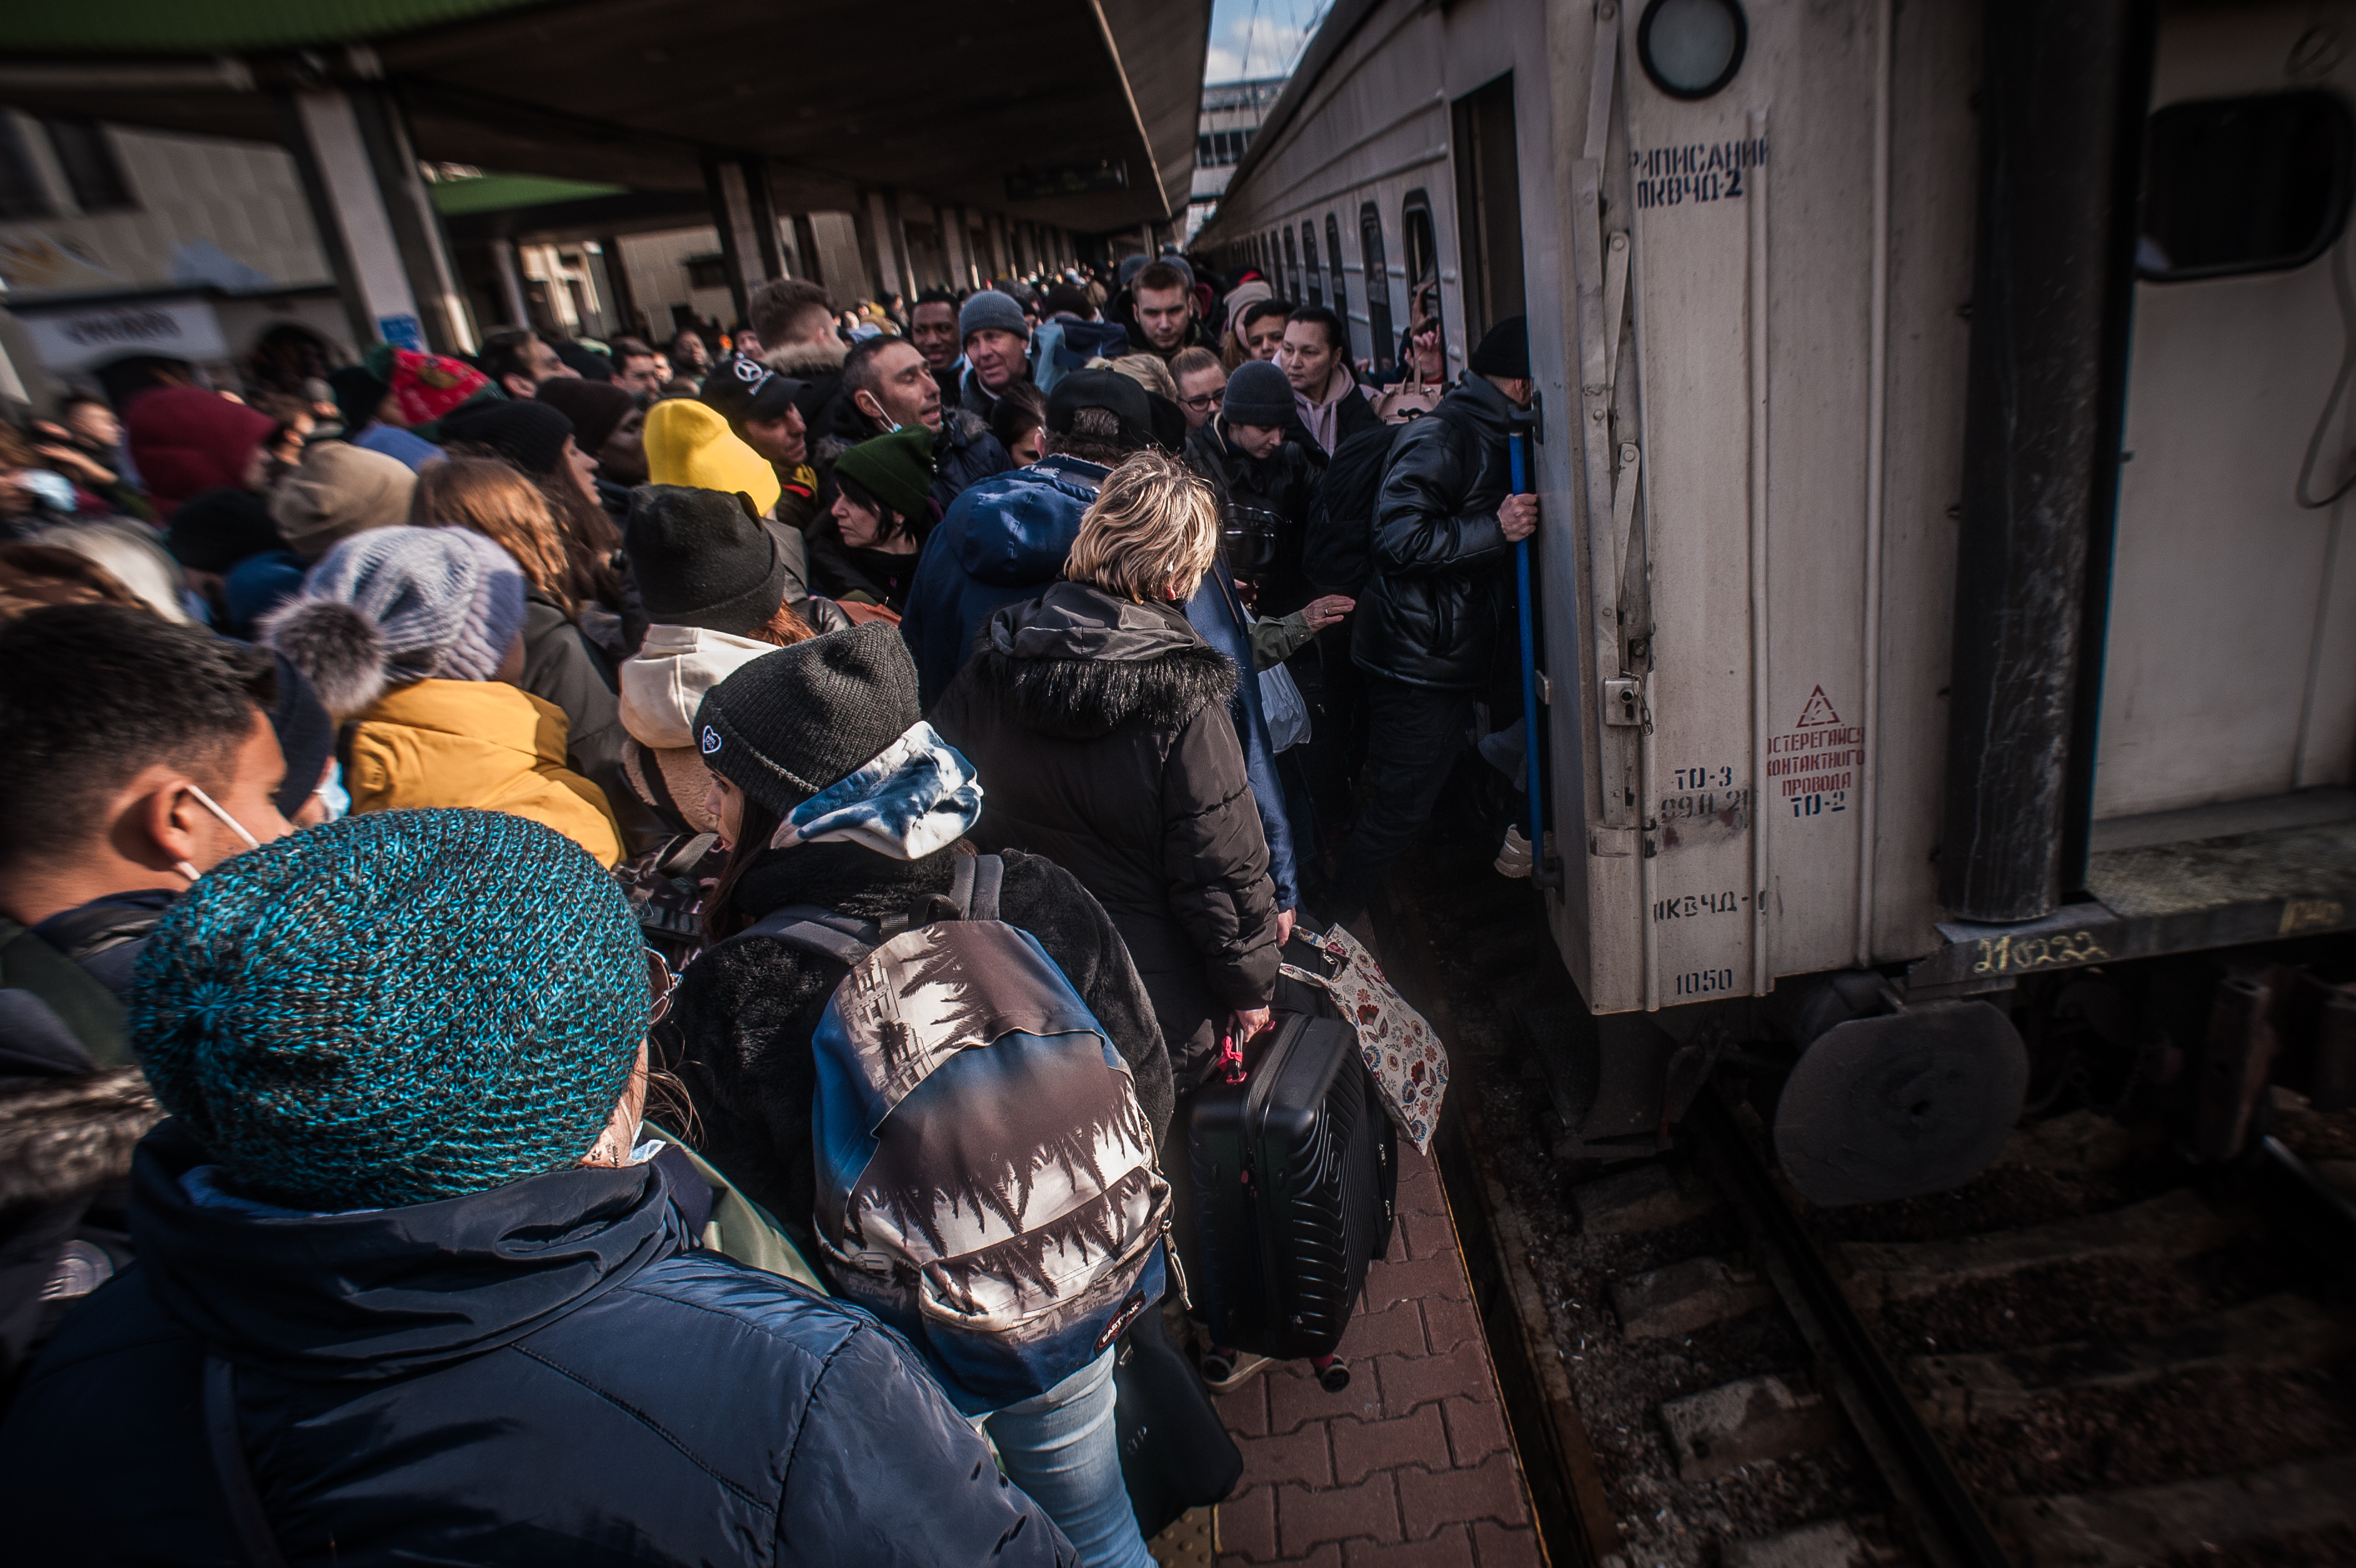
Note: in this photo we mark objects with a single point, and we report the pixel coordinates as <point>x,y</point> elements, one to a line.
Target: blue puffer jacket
<point>1004,541</point>
<point>541,1374</point>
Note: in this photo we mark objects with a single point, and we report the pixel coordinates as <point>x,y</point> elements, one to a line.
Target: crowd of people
<point>384,1174</point>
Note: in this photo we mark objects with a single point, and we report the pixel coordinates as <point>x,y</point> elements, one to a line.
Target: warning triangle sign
<point>1817,713</point>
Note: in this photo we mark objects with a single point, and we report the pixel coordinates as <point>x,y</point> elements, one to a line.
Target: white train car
<point>1943,444</point>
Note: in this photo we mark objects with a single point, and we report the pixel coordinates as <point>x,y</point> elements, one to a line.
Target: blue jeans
<point>1062,1448</point>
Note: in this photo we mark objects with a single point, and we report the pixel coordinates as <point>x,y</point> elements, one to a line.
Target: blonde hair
<point>1148,372</point>
<point>1153,524</point>
<point>496,500</point>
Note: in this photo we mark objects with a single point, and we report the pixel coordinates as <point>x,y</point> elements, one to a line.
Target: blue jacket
<point>1004,541</point>
<point>540,1374</point>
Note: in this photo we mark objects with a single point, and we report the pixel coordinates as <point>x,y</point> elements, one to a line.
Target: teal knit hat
<point>394,1009</point>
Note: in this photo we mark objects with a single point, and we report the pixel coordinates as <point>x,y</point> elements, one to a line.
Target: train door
<point>2230,662</point>
<point>1488,207</point>
<point>1733,513</point>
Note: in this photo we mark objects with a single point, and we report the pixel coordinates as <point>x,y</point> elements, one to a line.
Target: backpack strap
<point>961,877</point>
<point>231,1470</point>
<point>808,929</point>
<point>989,872</point>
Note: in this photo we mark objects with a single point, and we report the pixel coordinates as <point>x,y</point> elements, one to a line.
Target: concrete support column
<point>996,224</point>
<point>741,211</point>
<point>504,257</point>
<point>806,242</point>
<point>899,230</point>
<point>382,238</point>
<point>886,255</point>
<point>974,265</point>
<point>944,224</point>
<point>621,301</point>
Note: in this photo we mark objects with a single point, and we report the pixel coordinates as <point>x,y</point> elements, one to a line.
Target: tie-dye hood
<point>917,796</point>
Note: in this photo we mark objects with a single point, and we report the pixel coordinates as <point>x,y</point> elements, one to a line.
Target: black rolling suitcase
<point>1295,1173</point>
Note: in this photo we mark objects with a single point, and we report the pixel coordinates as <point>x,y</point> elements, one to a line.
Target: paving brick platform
<point>1411,1464</point>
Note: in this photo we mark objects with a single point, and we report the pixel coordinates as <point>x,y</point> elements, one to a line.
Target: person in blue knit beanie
<point>410,1287</point>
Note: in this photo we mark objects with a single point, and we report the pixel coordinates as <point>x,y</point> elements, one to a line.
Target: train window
<point>1691,48</point>
<point>2244,184</point>
<point>1334,260</point>
<point>1292,264</point>
<point>1423,314</point>
<point>1309,261</point>
<point>1378,285</point>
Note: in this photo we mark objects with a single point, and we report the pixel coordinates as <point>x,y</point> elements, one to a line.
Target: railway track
<point>2097,1353</point>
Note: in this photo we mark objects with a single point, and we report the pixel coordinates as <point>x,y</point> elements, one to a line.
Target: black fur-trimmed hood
<point>1076,663</point>
<point>66,1138</point>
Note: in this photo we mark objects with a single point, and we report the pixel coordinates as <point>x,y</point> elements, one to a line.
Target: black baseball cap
<point>739,388</point>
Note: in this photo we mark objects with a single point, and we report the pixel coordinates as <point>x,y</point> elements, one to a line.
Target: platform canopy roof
<point>949,100</point>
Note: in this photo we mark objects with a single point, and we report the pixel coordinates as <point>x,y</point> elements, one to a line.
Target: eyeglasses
<point>660,983</point>
<point>1202,404</point>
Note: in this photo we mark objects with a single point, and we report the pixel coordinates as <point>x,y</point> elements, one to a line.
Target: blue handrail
<point>1533,777</point>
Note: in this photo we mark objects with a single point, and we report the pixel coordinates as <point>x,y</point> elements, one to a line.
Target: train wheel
<point>1910,1103</point>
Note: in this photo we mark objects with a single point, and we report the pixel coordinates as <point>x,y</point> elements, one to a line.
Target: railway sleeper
<point>2163,1230</point>
<point>2118,1530</point>
<point>1743,1422</point>
<point>2275,1333</point>
<point>1650,1197</point>
<point>1673,1301</point>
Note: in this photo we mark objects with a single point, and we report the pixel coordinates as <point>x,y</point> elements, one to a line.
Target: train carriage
<point>1942,439</point>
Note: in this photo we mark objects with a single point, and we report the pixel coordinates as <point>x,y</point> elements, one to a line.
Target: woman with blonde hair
<point>561,664</point>
<point>1097,718</point>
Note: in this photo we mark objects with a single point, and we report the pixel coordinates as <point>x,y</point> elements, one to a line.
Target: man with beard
<point>888,384</point>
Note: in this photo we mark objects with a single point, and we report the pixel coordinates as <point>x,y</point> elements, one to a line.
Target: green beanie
<point>897,469</point>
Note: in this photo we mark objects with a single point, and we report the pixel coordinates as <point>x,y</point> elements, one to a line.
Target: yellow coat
<point>481,743</point>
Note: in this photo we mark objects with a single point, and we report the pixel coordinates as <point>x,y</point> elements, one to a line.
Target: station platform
<point>1411,1464</point>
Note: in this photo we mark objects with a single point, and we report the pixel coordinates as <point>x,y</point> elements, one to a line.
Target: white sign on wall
<point>82,338</point>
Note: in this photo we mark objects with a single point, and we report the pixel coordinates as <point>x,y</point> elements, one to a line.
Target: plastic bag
<point>1287,710</point>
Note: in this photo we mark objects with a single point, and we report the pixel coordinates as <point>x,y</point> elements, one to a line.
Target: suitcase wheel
<point>1218,1366</point>
<point>1332,1373</point>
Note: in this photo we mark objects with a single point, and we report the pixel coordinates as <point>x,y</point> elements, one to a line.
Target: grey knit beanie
<point>1257,394</point>
<point>990,311</point>
<point>397,605</point>
<point>791,723</point>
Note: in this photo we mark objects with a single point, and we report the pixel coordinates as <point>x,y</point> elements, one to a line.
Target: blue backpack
<point>986,1177</point>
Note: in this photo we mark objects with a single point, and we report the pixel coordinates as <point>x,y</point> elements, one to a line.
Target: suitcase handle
<point>1229,1063</point>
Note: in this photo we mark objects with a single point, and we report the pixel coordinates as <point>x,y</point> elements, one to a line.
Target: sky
<point>1257,37</point>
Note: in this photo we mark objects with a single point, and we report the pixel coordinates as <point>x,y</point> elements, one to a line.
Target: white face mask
<point>210,804</point>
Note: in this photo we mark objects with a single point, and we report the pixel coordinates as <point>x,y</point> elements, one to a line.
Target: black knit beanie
<point>700,559</point>
<point>528,432</point>
<point>791,723</point>
<point>1505,350</point>
<point>1258,394</point>
<point>359,391</point>
<point>215,530</point>
<point>306,735</point>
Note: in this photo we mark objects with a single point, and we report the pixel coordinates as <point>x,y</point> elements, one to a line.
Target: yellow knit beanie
<point>688,443</point>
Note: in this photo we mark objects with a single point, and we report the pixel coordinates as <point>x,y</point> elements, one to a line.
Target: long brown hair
<point>496,500</point>
<point>722,918</point>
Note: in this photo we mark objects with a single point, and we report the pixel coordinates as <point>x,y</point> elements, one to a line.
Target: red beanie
<point>186,441</point>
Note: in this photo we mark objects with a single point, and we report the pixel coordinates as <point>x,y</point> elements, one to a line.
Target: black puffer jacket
<point>1100,731</point>
<point>541,1374</point>
<point>1431,613</point>
<point>740,1025</point>
<point>1283,482</point>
